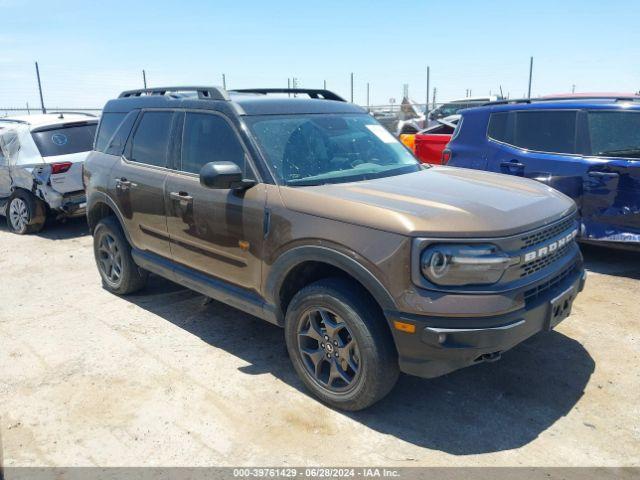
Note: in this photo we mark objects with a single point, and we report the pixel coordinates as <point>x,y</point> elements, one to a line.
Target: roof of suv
<point>244,102</point>
<point>560,103</point>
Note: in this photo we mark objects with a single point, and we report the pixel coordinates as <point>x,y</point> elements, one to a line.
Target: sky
<point>88,51</point>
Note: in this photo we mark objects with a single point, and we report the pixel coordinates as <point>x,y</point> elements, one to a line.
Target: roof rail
<point>72,112</point>
<point>312,92</point>
<point>204,93</point>
<point>561,99</point>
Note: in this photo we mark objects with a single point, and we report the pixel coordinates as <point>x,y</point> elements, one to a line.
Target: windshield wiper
<point>623,152</point>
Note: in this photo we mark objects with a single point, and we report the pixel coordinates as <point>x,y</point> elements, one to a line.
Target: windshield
<point>615,134</point>
<point>329,148</point>
<point>65,140</point>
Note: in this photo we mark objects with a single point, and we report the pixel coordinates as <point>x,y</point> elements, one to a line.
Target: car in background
<point>418,123</point>
<point>41,159</point>
<point>588,148</point>
<point>428,144</point>
<point>453,107</point>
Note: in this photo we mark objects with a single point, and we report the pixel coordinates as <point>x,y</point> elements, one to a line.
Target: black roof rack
<point>312,92</point>
<point>563,99</point>
<point>204,93</point>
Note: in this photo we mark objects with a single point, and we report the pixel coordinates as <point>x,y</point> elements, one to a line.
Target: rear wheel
<point>25,213</point>
<point>119,272</point>
<point>340,345</point>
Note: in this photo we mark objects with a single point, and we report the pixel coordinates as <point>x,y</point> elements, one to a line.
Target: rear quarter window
<point>65,140</point>
<point>497,129</point>
<point>108,125</point>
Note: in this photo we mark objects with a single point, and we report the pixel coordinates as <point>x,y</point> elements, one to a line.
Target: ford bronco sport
<point>309,214</point>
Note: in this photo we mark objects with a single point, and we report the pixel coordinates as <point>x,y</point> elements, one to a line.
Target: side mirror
<point>223,175</point>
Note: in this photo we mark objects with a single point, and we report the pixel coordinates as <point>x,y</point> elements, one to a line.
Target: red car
<point>428,144</point>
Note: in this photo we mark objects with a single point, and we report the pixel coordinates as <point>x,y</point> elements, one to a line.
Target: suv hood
<point>437,202</point>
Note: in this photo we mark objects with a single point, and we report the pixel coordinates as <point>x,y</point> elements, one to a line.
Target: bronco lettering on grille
<point>549,248</point>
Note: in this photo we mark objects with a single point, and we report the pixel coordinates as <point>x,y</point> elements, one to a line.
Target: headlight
<point>463,264</point>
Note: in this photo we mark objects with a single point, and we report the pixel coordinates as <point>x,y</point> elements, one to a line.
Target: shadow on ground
<point>58,229</point>
<point>609,261</point>
<point>485,408</point>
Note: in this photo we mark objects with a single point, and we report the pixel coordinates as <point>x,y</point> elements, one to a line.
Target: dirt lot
<point>164,378</point>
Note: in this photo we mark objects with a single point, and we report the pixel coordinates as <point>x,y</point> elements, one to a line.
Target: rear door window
<point>614,133</point>
<point>546,131</point>
<point>209,138</point>
<point>151,139</point>
<point>108,125</point>
<point>66,140</point>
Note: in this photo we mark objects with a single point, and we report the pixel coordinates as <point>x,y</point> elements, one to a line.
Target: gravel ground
<point>165,378</point>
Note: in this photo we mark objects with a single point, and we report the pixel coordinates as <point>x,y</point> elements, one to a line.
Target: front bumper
<point>437,348</point>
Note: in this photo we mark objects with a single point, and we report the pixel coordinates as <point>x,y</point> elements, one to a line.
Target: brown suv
<point>307,213</point>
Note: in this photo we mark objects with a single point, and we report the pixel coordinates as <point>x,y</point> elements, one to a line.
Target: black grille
<point>545,234</point>
<point>539,264</point>
<point>538,290</point>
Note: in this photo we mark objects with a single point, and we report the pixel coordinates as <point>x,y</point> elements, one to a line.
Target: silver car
<point>41,159</point>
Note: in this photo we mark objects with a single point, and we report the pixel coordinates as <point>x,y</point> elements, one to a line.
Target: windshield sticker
<point>380,132</point>
<point>59,139</point>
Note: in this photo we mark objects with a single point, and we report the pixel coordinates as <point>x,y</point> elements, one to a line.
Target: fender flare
<point>96,198</point>
<point>314,253</point>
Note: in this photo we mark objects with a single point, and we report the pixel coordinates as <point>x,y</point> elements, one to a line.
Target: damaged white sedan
<point>41,159</point>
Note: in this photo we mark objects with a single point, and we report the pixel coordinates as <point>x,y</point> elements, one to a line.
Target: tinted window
<point>498,126</point>
<point>119,138</point>
<point>615,134</point>
<point>108,125</point>
<point>151,140</point>
<point>209,138</point>
<point>66,140</point>
<point>546,131</point>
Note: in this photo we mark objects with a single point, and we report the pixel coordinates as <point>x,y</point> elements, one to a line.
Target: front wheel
<point>340,345</point>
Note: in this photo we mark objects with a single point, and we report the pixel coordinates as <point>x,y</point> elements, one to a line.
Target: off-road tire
<point>377,354</point>
<point>33,209</point>
<point>131,278</point>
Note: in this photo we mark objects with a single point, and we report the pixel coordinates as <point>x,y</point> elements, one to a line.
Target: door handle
<point>603,174</point>
<point>181,197</point>
<point>512,165</point>
<point>124,184</point>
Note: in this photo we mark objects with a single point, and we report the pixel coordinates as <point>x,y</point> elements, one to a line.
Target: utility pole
<point>573,88</point>
<point>224,81</point>
<point>44,110</point>
<point>434,97</point>
<point>324,84</point>
<point>367,96</point>
<point>28,111</point>
<point>289,87</point>
<point>426,107</point>
<point>501,94</point>
<point>144,79</point>
<point>530,76</point>
<point>351,87</point>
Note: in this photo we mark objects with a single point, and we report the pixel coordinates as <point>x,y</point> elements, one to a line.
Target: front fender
<point>314,253</point>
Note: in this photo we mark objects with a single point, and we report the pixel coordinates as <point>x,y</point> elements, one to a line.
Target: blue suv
<point>588,149</point>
